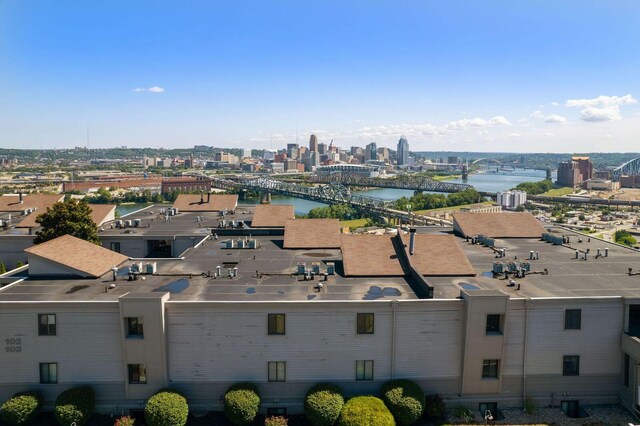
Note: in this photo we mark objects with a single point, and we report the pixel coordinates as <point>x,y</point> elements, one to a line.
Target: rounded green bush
<point>166,408</point>
<point>365,411</point>
<point>74,405</point>
<point>323,404</point>
<point>21,408</point>
<point>241,403</point>
<point>405,400</point>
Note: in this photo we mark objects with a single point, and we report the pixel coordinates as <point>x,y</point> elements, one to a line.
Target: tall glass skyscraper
<point>403,151</point>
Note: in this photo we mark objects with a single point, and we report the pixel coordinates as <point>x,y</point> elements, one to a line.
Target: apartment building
<point>293,303</point>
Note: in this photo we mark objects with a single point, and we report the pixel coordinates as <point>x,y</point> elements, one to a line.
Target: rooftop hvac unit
<point>302,268</point>
<point>176,210</point>
<point>331,268</point>
<point>229,244</point>
<point>315,267</point>
<point>137,222</point>
<point>241,244</point>
<point>151,268</point>
<point>498,267</point>
<point>252,244</point>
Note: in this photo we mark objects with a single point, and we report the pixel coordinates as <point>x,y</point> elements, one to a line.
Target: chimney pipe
<point>412,240</point>
<point>208,197</point>
<point>201,197</point>
<point>20,194</point>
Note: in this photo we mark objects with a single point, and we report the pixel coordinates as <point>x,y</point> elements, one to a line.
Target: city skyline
<point>460,76</point>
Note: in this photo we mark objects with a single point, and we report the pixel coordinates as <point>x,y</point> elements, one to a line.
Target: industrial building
<point>494,310</point>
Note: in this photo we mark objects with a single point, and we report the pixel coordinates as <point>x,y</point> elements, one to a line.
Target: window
<point>493,324</point>
<point>115,247</point>
<point>277,371</point>
<point>276,324</point>
<point>135,329</point>
<point>572,319</point>
<point>490,368</point>
<point>48,373</point>
<point>46,324</point>
<point>627,362</point>
<point>137,374</point>
<point>364,370</point>
<point>365,323</point>
<point>571,365</point>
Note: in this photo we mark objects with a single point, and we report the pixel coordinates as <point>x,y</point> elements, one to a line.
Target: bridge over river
<point>332,193</point>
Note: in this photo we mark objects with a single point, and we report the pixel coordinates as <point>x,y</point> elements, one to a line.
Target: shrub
<point>463,414</point>
<point>124,421</point>
<point>166,408</point>
<point>323,404</point>
<point>405,400</point>
<point>74,405</point>
<point>365,411</point>
<point>275,421</point>
<point>241,403</point>
<point>434,406</point>
<point>21,408</point>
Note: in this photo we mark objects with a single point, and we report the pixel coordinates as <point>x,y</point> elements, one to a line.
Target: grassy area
<point>559,192</point>
<point>454,208</point>
<point>355,223</point>
<point>445,177</point>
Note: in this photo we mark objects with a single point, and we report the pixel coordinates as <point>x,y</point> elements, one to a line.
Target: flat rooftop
<point>567,277</point>
<point>270,276</point>
<point>154,223</point>
<point>206,202</point>
<point>269,273</point>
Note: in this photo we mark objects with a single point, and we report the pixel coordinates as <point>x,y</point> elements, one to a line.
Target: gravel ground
<point>597,415</point>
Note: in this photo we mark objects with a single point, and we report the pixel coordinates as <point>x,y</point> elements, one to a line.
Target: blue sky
<point>451,75</point>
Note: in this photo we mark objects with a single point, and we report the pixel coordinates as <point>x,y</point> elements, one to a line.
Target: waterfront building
<point>431,305</point>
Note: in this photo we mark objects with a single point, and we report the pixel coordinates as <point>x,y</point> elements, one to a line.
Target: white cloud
<point>555,104</point>
<point>515,135</point>
<point>555,118</point>
<point>537,114</point>
<point>523,120</point>
<point>500,121</point>
<point>594,115</point>
<point>602,101</point>
<point>153,89</point>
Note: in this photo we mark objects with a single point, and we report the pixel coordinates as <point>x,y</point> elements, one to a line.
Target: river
<point>486,182</point>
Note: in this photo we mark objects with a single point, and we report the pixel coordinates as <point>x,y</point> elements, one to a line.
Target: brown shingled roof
<point>272,215</point>
<point>439,255</point>
<point>312,233</point>
<point>498,225</point>
<point>100,212</point>
<point>217,202</point>
<point>39,202</point>
<point>370,255</point>
<point>81,257</point>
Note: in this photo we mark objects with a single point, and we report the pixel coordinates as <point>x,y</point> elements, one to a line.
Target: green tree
<point>67,217</point>
<point>3,268</point>
<point>624,237</point>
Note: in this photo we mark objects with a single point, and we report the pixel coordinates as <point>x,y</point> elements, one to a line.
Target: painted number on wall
<point>13,344</point>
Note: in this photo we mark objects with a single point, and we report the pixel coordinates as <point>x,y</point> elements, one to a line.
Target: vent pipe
<point>208,197</point>
<point>412,240</point>
<point>201,197</point>
<point>20,194</point>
